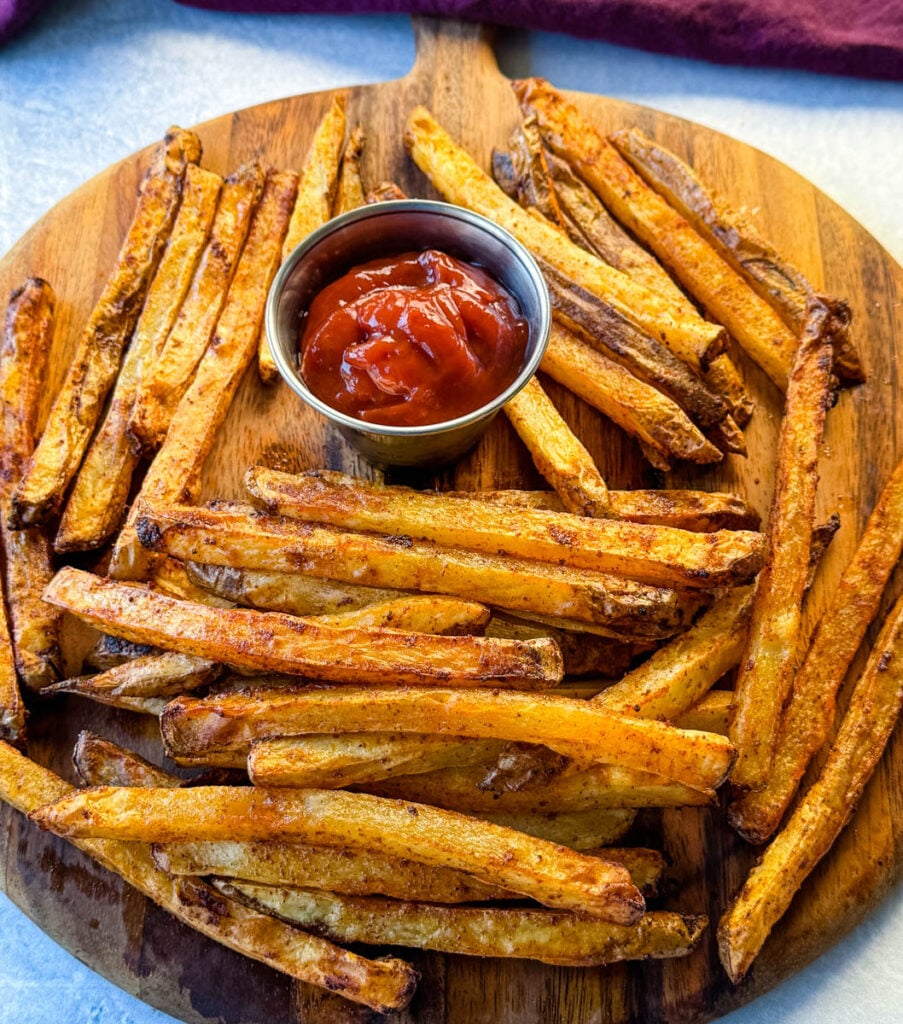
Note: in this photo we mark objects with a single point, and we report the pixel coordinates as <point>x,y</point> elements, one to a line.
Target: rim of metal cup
<point>290,373</point>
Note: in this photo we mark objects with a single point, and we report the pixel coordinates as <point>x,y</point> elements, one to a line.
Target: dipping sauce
<point>412,339</point>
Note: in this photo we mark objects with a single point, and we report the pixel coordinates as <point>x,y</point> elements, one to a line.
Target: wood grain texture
<point>143,950</point>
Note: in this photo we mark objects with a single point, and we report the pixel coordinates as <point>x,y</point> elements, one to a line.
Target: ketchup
<point>412,339</point>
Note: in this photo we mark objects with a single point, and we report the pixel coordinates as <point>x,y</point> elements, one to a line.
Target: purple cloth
<point>842,37</point>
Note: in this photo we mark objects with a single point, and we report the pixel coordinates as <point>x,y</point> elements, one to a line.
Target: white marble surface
<point>94,80</point>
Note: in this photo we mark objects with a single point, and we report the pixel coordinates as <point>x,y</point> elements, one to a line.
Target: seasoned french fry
<point>171,577</point>
<point>723,377</point>
<point>27,566</point>
<point>334,762</point>
<point>612,605</point>
<point>109,651</point>
<point>350,190</point>
<point>155,675</point>
<point>808,718</point>
<point>659,424</point>
<point>96,361</point>
<point>97,501</point>
<point>711,714</point>
<point>159,392</point>
<point>416,613</point>
<point>553,875</point>
<point>385,192</point>
<point>175,471</point>
<point>313,206</point>
<point>775,279</point>
<point>453,172</point>
<point>383,985</point>
<point>699,268</point>
<point>659,555</point>
<point>769,661</point>
<point>194,727</point>
<point>12,708</point>
<point>580,830</point>
<point>557,452</point>
<point>273,642</point>
<point>825,808</point>
<point>475,931</point>
<point>102,763</point>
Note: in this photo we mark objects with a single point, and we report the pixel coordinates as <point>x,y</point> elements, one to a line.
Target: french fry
<point>698,267</point>
<point>12,708</point>
<point>313,206</point>
<point>808,718</point>
<point>95,364</point>
<point>102,763</point>
<point>416,613</point>
<point>155,675</point>
<point>171,577</point>
<point>775,279</point>
<point>662,428</point>
<point>769,661</point>
<point>273,642</point>
<point>612,605</point>
<point>557,452</point>
<point>383,985</point>
<point>159,392</point>
<point>27,566</point>
<point>474,931</point>
<point>175,471</point>
<point>109,651</point>
<point>723,377</point>
<point>194,727</point>
<point>711,714</point>
<point>453,172</point>
<point>385,192</point>
<point>553,875</point>
<point>97,501</point>
<point>350,190</point>
<point>580,830</point>
<point>658,555</point>
<point>826,807</point>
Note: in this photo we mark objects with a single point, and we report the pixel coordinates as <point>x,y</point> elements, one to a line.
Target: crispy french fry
<point>34,626</point>
<point>557,452</point>
<point>699,268</point>
<point>155,675</point>
<point>102,763</point>
<point>769,661</point>
<point>825,808</point>
<point>273,642</point>
<point>711,714</point>
<point>659,555</point>
<point>809,715</point>
<point>775,279</point>
<point>453,172</point>
<point>381,984</point>
<point>313,206</point>
<point>96,361</point>
<point>474,931</point>
<point>171,577</point>
<point>661,427</point>
<point>553,875</point>
<point>580,830</point>
<point>385,192</point>
<point>109,651</point>
<point>198,727</point>
<point>159,392</point>
<point>12,708</point>
<point>350,190</point>
<point>416,613</point>
<point>97,501</point>
<point>612,605</point>
<point>175,471</point>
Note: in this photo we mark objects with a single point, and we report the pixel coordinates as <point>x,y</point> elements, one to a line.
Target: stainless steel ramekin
<point>386,229</point>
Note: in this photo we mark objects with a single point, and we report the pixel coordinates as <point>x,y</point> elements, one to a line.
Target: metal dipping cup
<point>387,229</point>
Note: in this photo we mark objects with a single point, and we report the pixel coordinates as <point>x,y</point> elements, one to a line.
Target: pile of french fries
<point>411,718</point>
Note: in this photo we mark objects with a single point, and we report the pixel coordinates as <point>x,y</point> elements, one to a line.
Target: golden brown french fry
<point>602,602</point>
<point>808,718</point>
<point>659,555</point>
<point>385,192</point>
<point>27,566</point>
<point>273,642</point>
<point>769,661</point>
<point>95,363</point>
<point>383,985</point>
<point>159,392</point>
<point>775,279</point>
<point>109,651</point>
<point>230,723</point>
<point>557,452</point>
<point>580,830</point>
<point>350,190</point>
<point>663,429</point>
<point>334,762</point>
<point>706,276</point>
<point>102,763</point>
<point>171,577</point>
<point>155,675</point>
<point>825,808</point>
<point>476,931</point>
<point>416,613</point>
<point>723,377</point>
<point>553,875</point>
<point>313,206</point>
<point>711,714</point>
<point>175,471</point>
<point>453,172</point>
<point>97,501</point>
<point>12,708</point>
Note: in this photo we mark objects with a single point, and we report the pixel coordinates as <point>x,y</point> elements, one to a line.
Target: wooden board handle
<point>458,51</point>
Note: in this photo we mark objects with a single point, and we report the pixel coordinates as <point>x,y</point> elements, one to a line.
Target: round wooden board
<point>139,947</point>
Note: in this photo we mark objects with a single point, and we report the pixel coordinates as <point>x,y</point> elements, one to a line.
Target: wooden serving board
<point>139,947</point>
